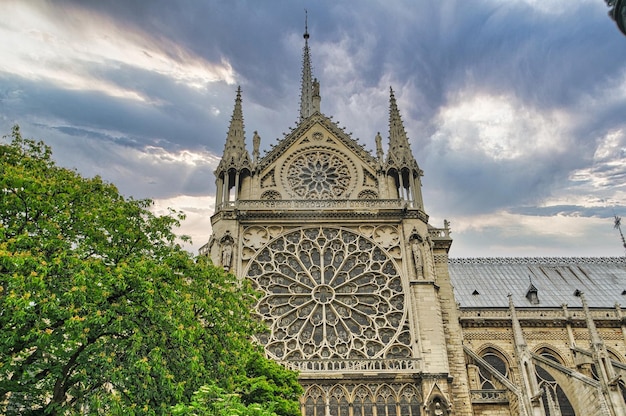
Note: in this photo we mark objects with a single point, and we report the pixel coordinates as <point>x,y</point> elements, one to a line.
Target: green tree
<point>101,310</point>
<point>212,400</point>
<point>263,388</point>
<point>270,385</point>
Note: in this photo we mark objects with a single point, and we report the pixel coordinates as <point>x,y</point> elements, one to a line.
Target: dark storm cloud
<point>561,65</point>
<point>473,185</point>
<point>173,117</point>
<point>247,34</point>
<point>498,47</point>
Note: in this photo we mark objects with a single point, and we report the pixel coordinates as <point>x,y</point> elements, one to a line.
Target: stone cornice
<point>300,216</point>
<point>311,209</point>
<point>542,318</point>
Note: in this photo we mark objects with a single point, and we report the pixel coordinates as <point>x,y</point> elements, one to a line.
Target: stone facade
<point>359,295</point>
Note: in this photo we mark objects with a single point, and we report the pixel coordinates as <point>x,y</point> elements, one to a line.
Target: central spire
<point>306,94</point>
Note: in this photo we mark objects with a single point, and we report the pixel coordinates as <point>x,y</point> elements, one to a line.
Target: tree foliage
<point>101,310</point>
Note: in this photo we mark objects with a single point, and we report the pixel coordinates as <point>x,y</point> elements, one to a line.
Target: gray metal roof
<point>486,282</point>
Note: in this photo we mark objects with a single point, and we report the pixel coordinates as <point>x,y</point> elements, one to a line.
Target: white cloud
<point>553,6</point>
<point>198,211</point>
<point>64,50</point>
<point>606,176</point>
<point>499,127</point>
<point>506,234</point>
<point>159,155</point>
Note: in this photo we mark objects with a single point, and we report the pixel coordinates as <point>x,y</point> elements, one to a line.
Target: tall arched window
<point>409,402</point>
<point>339,402</point>
<point>596,376</point>
<point>363,404</point>
<point>555,402</point>
<point>314,402</point>
<point>385,402</point>
<point>497,361</point>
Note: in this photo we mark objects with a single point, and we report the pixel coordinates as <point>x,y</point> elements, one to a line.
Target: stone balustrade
<point>315,204</point>
<point>489,396</point>
<point>356,366</point>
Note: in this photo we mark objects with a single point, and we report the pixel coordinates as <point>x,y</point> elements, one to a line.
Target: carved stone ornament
<point>226,243</point>
<point>330,293</point>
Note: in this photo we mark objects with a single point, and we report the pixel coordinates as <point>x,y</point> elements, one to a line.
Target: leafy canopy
<point>101,311</point>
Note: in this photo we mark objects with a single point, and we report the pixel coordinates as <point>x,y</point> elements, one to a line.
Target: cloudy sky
<point>516,109</point>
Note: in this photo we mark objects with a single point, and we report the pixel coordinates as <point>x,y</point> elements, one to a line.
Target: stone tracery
<point>319,174</point>
<point>330,293</point>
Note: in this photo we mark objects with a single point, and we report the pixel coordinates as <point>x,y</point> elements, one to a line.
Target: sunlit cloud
<point>65,50</point>
<point>197,222</point>
<point>516,225</point>
<point>500,127</point>
<point>608,169</point>
<point>508,234</point>
<point>553,6</point>
<point>158,155</point>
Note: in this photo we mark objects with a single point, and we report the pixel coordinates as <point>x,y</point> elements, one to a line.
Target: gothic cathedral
<point>360,297</point>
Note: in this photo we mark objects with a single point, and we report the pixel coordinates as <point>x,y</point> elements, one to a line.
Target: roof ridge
<point>537,260</point>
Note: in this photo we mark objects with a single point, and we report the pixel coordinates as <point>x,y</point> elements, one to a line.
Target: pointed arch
<point>409,401</point>
<point>554,399</point>
<point>363,401</point>
<point>314,401</point>
<point>338,401</point>
<point>386,401</point>
<point>498,361</point>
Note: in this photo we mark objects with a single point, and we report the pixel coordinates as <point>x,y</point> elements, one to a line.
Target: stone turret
<point>400,164</point>
<point>236,161</point>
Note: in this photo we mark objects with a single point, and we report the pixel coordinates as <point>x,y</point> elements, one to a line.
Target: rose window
<point>329,293</point>
<point>318,174</point>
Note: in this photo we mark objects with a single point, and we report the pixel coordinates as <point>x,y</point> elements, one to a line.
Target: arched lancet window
<point>497,361</point>
<point>555,402</point>
<point>403,180</point>
<point>231,186</point>
<point>385,402</point>
<point>339,402</point>
<point>363,404</point>
<point>410,402</point>
<point>314,402</point>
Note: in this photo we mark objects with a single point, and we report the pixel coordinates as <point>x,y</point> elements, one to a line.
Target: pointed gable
<point>327,124</point>
<point>318,160</point>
